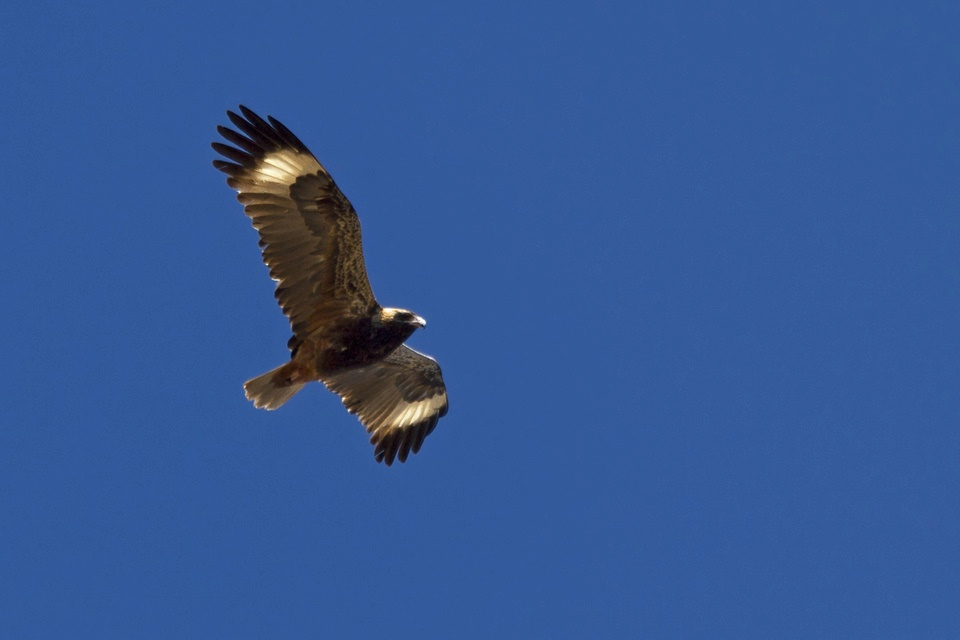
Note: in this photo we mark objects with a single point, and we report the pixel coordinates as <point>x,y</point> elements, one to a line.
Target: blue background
<point>690,269</point>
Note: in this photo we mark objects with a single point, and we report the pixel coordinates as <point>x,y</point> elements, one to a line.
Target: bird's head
<point>391,316</point>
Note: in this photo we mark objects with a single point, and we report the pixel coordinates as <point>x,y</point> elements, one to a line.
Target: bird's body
<point>310,237</point>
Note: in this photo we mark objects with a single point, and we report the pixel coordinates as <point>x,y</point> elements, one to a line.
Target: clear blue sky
<point>691,271</point>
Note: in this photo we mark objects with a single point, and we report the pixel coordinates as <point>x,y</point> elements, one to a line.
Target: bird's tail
<point>273,388</point>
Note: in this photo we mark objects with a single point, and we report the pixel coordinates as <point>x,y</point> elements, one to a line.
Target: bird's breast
<point>357,343</point>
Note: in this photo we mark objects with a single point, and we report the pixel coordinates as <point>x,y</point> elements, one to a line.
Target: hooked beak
<point>417,320</point>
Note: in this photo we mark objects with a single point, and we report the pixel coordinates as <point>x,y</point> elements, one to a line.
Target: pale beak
<point>417,320</point>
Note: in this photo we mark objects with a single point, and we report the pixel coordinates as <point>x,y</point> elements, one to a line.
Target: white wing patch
<point>408,414</point>
<point>286,165</point>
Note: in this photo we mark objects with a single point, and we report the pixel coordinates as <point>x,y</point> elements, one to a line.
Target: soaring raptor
<point>342,337</point>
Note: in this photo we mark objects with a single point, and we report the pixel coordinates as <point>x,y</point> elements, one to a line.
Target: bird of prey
<point>342,337</point>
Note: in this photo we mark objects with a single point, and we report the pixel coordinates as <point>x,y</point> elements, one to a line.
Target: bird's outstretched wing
<point>309,231</point>
<point>399,401</point>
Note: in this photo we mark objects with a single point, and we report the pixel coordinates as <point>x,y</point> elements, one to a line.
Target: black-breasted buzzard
<point>310,237</point>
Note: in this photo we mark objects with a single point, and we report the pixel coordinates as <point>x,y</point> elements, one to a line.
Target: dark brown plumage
<point>310,238</point>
